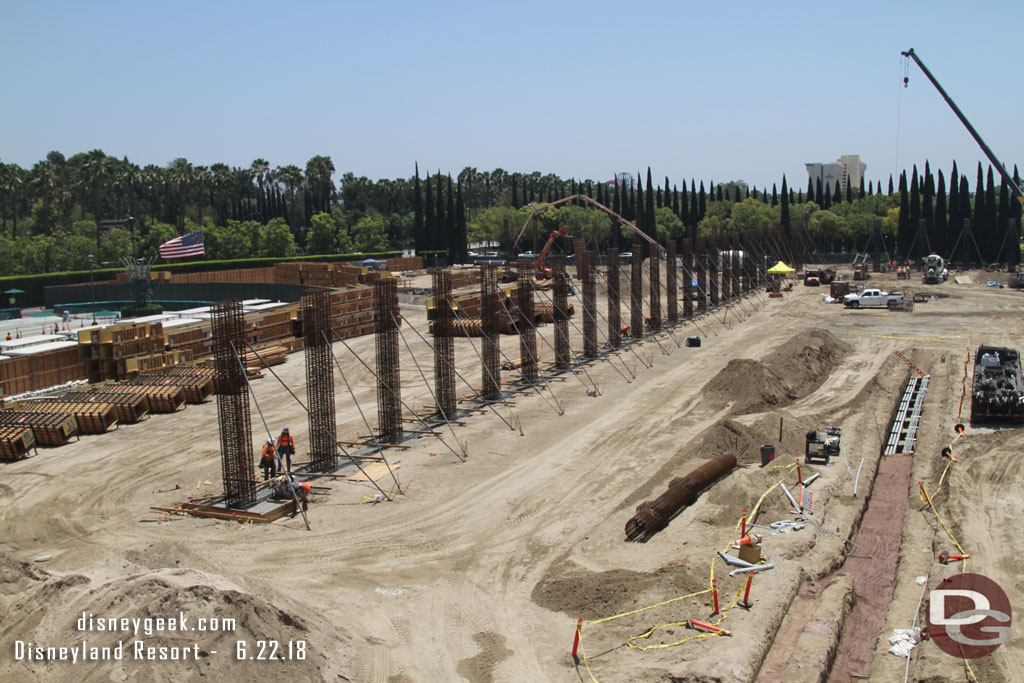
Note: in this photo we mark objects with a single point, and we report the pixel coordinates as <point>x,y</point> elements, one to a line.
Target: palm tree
<point>181,177</point>
<point>260,170</point>
<point>318,176</point>
<point>43,180</point>
<point>291,177</point>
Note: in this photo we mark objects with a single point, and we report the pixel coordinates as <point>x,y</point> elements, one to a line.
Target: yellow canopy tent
<point>781,268</point>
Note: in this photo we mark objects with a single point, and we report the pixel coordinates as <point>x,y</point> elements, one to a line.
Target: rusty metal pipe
<point>654,515</point>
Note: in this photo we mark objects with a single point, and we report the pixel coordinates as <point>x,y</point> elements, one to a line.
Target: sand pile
<point>790,372</point>
<point>46,609</point>
<point>591,595</point>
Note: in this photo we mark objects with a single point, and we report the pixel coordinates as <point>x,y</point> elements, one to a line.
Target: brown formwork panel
<point>49,429</point>
<point>15,442</point>
<point>92,418</point>
<point>162,399</point>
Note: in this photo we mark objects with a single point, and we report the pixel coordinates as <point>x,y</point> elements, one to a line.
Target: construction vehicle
<point>825,276</point>
<point>872,298</point>
<point>934,270</point>
<point>860,267</point>
<point>541,271</point>
<point>1006,177</point>
<point>998,389</point>
<point>588,200</point>
<point>822,445</point>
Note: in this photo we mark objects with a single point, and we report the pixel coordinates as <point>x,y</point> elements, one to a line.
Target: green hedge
<point>34,284</point>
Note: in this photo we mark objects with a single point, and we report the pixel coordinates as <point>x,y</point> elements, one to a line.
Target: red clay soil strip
<point>873,567</point>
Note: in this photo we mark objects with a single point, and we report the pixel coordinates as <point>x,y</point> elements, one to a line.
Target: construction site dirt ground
<point>479,570</point>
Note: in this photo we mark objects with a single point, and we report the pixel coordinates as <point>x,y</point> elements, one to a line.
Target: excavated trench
<point>836,617</point>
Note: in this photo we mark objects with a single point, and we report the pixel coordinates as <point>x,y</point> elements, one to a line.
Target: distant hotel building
<point>847,170</point>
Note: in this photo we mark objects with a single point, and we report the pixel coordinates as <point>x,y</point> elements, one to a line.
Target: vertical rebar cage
<point>655,286</point>
<point>702,276</point>
<point>636,295</point>
<point>389,390</point>
<point>687,278</point>
<point>444,344</point>
<point>586,269</point>
<point>725,259</point>
<point>233,418</point>
<point>712,259</point>
<point>739,281</point>
<point>560,299</point>
<point>671,288</point>
<point>490,344</point>
<point>614,320</point>
<point>323,430</point>
<point>527,313</point>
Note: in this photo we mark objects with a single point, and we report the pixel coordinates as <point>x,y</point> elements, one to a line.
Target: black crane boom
<point>1007,178</point>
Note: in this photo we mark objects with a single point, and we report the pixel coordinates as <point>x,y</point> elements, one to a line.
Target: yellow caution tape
<point>724,614</point>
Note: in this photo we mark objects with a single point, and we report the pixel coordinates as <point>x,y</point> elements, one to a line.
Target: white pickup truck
<point>871,297</point>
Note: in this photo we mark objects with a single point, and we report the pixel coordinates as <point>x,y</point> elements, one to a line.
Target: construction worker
<point>268,462</point>
<point>286,447</point>
<point>302,490</point>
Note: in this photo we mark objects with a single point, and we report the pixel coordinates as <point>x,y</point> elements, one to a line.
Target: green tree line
<point>49,213</point>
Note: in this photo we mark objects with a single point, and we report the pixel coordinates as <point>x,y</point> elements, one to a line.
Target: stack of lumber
<point>119,351</point>
<point>15,442</point>
<point>194,338</point>
<point>41,370</point>
<point>49,429</point>
<point>405,263</point>
<point>465,277</point>
<point>256,360</point>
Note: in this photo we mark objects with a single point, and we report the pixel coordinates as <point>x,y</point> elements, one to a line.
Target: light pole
<point>92,288</point>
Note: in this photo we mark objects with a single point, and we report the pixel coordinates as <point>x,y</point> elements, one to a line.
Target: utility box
<point>822,445</point>
<point>767,454</point>
<point>839,289</point>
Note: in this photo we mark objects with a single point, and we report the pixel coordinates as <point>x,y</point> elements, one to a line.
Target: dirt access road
<point>479,570</point>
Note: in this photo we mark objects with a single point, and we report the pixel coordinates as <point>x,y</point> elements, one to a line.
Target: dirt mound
<point>791,372</point>
<point>49,610</point>
<point>592,595</point>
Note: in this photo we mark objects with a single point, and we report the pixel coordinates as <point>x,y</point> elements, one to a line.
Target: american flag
<point>189,244</point>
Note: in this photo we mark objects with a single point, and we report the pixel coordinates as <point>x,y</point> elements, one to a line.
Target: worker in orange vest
<point>286,447</point>
<point>268,462</point>
<point>302,489</point>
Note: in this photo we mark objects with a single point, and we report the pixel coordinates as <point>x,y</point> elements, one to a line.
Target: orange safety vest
<point>285,441</point>
<point>268,452</point>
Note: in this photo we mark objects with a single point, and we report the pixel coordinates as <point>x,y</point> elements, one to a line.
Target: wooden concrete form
<point>261,513</point>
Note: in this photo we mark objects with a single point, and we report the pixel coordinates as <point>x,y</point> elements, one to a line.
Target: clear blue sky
<point>714,91</point>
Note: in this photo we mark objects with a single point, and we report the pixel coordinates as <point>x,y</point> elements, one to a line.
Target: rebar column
<point>527,321</point>
<point>614,321</point>
<point>389,389</point>
<point>702,276</point>
<point>712,259</point>
<point>739,279</point>
<point>490,344</point>
<point>724,259</point>
<point>670,282</point>
<point>560,298</point>
<point>636,295</point>
<point>687,278</point>
<point>444,343</point>
<point>323,430</point>
<point>655,287</point>
<point>586,269</point>
<point>233,419</point>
